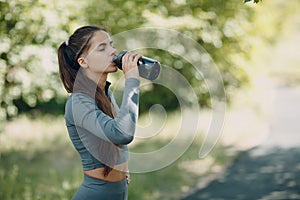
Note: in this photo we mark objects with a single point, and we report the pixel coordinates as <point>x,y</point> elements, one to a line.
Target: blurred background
<point>255,47</point>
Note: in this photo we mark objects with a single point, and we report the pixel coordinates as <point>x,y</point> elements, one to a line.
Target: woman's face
<point>98,58</point>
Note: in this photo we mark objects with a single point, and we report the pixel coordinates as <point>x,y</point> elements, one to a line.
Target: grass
<point>51,172</point>
<point>44,167</point>
<point>174,181</point>
<point>47,174</point>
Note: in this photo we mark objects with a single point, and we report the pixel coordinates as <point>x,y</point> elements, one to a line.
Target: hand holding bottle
<point>129,65</point>
<point>147,67</point>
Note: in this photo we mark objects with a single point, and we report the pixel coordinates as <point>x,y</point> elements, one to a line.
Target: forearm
<point>127,116</point>
<point>119,130</point>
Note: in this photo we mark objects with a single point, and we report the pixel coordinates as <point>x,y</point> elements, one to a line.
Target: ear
<point>82,62</point>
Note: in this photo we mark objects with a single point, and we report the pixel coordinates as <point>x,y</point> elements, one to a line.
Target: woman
<point>98,128</point>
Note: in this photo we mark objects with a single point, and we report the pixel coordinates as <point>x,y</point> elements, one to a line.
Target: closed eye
<point>101,47</point>
<point>111,43</point>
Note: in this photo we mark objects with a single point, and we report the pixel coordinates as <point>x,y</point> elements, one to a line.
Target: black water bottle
<point>148,68</point>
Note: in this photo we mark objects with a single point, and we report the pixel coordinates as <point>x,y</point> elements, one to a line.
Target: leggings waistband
<point>98,189</point>
<point>106,185</point>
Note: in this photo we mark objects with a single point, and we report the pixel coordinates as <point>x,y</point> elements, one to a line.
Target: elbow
<point>122,138</point>
<point>126,140</point>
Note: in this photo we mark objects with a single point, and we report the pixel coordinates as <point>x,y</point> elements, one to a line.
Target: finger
<point>131,57</point>
<point>134,55</point>
<point>125,59</point>
<point>136,58</point>
<point>130,60</point>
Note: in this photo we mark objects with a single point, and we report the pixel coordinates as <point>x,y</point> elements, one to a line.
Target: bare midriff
<point>117,174</point>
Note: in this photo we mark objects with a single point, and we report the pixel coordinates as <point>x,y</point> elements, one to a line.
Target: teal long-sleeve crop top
<point>87,125</point>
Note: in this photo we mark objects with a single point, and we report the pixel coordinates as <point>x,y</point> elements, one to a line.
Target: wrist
<point>132,75</point>
<point>132,81</point>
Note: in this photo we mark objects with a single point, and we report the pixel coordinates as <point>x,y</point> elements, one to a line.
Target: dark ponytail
<point>68,68</point>
<point>75,81</point>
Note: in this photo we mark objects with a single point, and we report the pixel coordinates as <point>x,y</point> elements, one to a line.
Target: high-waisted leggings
<point>96,189</point>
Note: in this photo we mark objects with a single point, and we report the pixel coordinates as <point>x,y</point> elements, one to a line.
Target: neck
<point>102,81</point>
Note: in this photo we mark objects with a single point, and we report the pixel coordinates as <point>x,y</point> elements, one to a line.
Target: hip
<point>93,188</point>
<point>117,174</point>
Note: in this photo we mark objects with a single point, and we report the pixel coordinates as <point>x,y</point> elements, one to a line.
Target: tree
<point>30,31</point>
<point>219,26</point>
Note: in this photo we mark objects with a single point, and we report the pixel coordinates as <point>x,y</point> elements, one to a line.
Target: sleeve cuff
<point>132,82</point>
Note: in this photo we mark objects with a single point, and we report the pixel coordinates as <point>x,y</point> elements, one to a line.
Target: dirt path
<point>270,170</point>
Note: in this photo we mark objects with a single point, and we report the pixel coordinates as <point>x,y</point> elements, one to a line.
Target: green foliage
<point>216,25</point>
<point>40,174</point>
<point>31,31</point>
<point>159,95</point>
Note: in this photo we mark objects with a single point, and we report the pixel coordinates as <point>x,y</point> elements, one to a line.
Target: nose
<point>113,51</point>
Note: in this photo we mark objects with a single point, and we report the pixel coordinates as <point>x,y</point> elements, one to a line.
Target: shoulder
<point>78,97</point>
<point>81,98</point>
<point>77,100</point>
<point>79,104</point>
